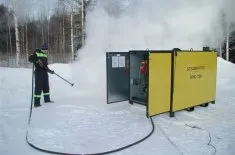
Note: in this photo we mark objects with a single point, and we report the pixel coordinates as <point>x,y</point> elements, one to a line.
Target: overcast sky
<point>34,8</point>
<point>31,8</point>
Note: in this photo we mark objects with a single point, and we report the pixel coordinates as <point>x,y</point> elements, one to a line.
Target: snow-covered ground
<point>81,122</point>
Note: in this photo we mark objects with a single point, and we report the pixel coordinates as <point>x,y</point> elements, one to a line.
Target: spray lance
<point>53,72</point>
<point>64,79</point>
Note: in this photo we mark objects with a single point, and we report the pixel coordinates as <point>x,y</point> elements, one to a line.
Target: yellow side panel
<point>194,79</point>
<point>159,83</point>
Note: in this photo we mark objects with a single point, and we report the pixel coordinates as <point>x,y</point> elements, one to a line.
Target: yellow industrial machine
<point>175,80</point>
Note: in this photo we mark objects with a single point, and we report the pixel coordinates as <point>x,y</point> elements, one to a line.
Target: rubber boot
<point>37,102</point>
<point>47,99</point>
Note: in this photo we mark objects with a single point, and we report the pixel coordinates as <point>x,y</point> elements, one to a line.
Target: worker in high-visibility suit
<point>39,58</point>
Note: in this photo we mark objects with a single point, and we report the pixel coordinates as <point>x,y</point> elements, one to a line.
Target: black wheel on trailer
<point>204,105</point>
<point>190,109</point>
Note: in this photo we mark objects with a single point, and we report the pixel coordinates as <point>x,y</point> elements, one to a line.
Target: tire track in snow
<point>168,138</point>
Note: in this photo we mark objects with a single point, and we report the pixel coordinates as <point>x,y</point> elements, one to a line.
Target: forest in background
<point>63,30</point>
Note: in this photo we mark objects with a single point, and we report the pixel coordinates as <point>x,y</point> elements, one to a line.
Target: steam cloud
<point>122,25</point>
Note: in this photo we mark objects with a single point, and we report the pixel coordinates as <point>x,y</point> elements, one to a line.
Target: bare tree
<point>9,30</point>
<point>83,22</point>
<point>26,39</point>
<point>73,6</point>
<point>16,34</point>
<point>63,28</point>
<point>72,49</point>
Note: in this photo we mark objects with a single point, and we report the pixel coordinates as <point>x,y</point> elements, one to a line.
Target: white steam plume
<point>138,24</point>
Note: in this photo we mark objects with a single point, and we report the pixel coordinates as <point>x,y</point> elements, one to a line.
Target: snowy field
<point>81,122</point>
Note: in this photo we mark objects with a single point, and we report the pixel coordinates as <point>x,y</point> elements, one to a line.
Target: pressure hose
<point>64,153</point>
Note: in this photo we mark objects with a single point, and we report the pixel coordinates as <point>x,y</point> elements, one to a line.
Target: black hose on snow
<point>63,153</point>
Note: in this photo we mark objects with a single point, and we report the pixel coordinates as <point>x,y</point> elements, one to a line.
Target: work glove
<point>39,62</point>
<point>51,71</point>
